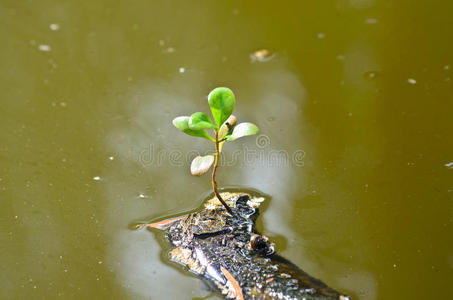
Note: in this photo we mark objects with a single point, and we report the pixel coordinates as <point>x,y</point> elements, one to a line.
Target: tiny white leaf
<point>201,164</point>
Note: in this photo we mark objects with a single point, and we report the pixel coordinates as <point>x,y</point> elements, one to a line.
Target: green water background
<point>355,107</point>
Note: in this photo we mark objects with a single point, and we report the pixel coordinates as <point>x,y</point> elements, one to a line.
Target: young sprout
<point>221,101</point>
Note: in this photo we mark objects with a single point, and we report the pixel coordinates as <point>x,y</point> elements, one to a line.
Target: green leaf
<point>243,129</point>
<point>200,121</point>
<point>201,164</point>
<point>221,101</point>
<point>182,123</point>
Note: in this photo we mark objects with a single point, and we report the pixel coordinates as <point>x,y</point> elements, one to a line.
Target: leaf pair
<point>221,102</point>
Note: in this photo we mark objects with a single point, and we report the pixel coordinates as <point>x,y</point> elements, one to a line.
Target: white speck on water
<point>15,217</point>
<point>61,256</point>
<point>412,81</point>
<point>45,48</point>
<point>142,196</point>
<point>394,265</point>
<point>321,35</point>
<point>111,158</point>
<point>371,21</point>
<point>97,178</point>
<point>54,27</point>
<point>182,70</point>
<point>34,286</point>
<point>100,262</point>
<point>65,270</point>
<point>449,165</point>
<point>446,67</point>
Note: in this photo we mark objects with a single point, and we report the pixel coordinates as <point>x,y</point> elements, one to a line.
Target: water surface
<point>355,108</point>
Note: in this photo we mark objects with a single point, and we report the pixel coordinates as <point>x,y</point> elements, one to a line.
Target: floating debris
<point>45,48</point>
<point>54,27</point>
<point>142,196</point>
<point>446,67</point>
<point>97,178</point>
<point>227,251</point>
<point>261,55</point>
<point>111,158</point>
<point>449,165</point>
<point>412,81</point>
<point>182,70</point>
<point>370,74</point>
<point>321,35</point>
<point>371,21</point>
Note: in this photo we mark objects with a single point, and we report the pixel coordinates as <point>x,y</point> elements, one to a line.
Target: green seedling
<point>224,129</point>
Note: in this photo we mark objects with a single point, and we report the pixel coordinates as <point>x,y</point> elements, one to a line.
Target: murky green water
<point>355,107</point>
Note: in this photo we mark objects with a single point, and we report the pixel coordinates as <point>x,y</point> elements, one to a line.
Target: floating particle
<point>182,70</point>
<point>371,21</point>
<point>370,74</point>
<point>97,178</point>
<point>412,81</point>
<point>111,158</point>
<point>261,55</point>
<point>449,165</point>
<point>321,35</point>
<point>142,196</point>
<point>170,50</point>
<point>446,67</point>
<point>54,27</point>
<point>45,48</point>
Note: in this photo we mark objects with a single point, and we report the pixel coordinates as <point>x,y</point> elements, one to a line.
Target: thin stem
<point>216,163</point>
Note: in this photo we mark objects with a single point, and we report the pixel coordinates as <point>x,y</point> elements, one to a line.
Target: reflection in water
<point>149,142</point>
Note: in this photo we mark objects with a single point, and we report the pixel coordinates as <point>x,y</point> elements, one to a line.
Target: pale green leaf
<point>182,123</point>
<point>241,130</point>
